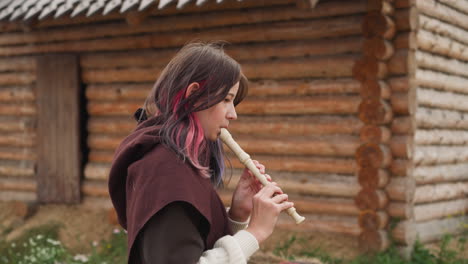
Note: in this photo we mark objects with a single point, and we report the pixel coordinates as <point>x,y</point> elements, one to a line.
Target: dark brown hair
<point>216,73</point>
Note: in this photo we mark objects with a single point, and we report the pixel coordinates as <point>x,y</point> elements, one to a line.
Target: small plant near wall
<point>41,245</point>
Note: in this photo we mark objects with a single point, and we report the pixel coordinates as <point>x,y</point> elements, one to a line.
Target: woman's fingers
<point>259,166</point>
<point>285,205</point>
<point>270,189</point>
<point>280,198</point>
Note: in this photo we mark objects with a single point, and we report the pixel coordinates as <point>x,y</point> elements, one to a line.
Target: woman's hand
<point>247,187</point>
<point>268,203</point>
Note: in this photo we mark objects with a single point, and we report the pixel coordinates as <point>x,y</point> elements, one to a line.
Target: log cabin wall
<point>17,129</point>
<point>437,68</point>
<point>300,118</point>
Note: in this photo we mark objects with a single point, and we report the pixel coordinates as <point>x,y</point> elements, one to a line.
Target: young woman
<point>164,175</point>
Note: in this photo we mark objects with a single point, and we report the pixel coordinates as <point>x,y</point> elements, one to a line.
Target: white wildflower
<point>95,243</point>
<point>53,242</point>
<point>116,231</point>
<point>81,257</point>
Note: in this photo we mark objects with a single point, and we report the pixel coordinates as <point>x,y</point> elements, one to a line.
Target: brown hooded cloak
<point>146,176</point>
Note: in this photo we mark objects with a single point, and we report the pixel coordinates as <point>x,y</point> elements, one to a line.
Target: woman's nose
<point>232,115</point>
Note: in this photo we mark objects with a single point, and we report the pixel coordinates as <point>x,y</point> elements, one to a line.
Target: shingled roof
<point>40,9</point>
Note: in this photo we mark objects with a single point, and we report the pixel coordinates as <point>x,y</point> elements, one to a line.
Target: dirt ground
<point>81,225</point>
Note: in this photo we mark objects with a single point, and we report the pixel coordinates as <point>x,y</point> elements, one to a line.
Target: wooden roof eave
<point>26,10</point>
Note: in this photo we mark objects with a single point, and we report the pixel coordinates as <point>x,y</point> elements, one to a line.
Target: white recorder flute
<point>247,161</point>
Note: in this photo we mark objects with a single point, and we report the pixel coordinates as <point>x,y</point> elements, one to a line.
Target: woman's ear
<point>191,88</point>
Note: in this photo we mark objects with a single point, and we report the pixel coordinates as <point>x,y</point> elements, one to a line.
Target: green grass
<point>420,255</point>
<point>41,245</point>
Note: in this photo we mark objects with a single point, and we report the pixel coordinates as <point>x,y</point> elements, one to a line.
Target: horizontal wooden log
<point>240,52</point>
<point>16,94</point>
<point>347,188</point>
<point>442,28</point>
<point>187,22</point>
<point>427,155</point>
<point>20,64</point>
<point>398,63</point>
<point>441,137</point>
<point>401,167</point>
<point>256,106</point>
<point>443,12</point>
<point>139,91</point>
<point>402,20</point>
<point>12,153</point>
<point>373,241</point>
<point>328,224</point>
<point>438,44</point>
<point>310,125</point>
<point>401,4</point>
<point>402,147</point>
<point>343,26</point>
<point>431,211</point>
<point>441,81</point>
<point>378,47</point>
<point>375,111</point>
<point>310,105</point>
<point>400,210</point>
<point>17,78</point>
<point>373,220</point>
<point>438,118</point>
<point>399,84</point>
<point>330,206</point>
<point>441,173</point>
<point>378,24</point>
<point>373,155</point>
<point>15,124</point>
<point>402,41</point>
<point>441,64</point>
<point>375,88</point>
<point>403,125</point>
<point>460,6</point>
<point>371,199</point>
<point>439,99</point>
<point>27,109</point>
<point>106,92</point>
<point>333,66</point>
<point>344,146</point>
<point>100,156</point>
<point>435,229</point>
<point>440,192</point>
<point>25,196</point>
<point>375,134</point>
<point>309,205</point>
<point>100,171</point>
<point>17,184</point>
<point>17,168</point>
<point>372,178</point>
<point>401,103</point>
<point>18,140</point>
<point>401,189</point>
<point>369,68</point>
<point>95,188</point>
<point>302,164</point>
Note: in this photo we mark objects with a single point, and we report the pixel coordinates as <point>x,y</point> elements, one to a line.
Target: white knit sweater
<point>235,249</point>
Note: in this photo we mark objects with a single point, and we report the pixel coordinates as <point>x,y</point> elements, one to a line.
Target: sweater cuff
<point>247,242</point>
<point>237,226</point>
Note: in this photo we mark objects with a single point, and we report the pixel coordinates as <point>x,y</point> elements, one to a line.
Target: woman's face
<point>219,115</point>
